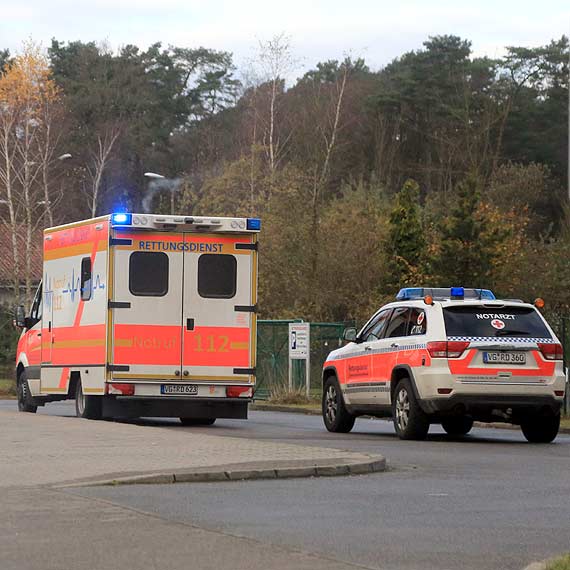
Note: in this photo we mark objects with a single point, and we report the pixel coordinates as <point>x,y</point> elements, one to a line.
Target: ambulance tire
<point>541,429</point>
<point>197,421</point>
<point>457,426</point>
<point>410,421</point>
<point>87,407</point>
<point>336,417</point>
<point>25,400</point>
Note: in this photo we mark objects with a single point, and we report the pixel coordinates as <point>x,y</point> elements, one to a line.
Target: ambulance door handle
<point>190,324</point>
<point>367,348</point>
<point>394,345</point>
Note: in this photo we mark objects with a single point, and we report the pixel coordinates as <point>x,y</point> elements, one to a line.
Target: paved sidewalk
<point>48,450</point>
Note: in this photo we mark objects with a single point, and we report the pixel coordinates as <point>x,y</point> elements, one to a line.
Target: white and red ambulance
<point>448,356</point>
<point>144,315</point>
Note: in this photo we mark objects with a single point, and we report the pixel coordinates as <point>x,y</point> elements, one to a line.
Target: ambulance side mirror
<point>349,334</point>
<point>20,317</point>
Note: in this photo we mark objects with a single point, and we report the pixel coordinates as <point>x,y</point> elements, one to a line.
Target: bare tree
<point>272,64</point>
<point>100,157</point>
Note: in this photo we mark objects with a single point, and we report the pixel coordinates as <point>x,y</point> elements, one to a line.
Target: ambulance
<point>144,315</point>
<point>448,356</point>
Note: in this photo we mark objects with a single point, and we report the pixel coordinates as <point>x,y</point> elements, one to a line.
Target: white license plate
<point>504,357</point>
<point>186,389</point>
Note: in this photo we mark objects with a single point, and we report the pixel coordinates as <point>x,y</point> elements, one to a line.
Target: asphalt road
<point>486,501</point>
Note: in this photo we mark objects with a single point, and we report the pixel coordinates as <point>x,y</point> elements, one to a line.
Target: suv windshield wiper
<point>511,332</point>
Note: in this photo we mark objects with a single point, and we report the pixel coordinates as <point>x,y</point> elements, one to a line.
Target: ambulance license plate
<point>504,357</point>
<point>184,389</point>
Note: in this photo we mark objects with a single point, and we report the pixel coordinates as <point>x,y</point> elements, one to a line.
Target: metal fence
<point>273,355</point>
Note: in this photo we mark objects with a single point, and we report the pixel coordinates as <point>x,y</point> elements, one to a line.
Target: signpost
<point>300,349</point>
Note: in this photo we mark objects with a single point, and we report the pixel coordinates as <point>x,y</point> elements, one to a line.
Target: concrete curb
<point>309,412</point>
<point>241,472</point>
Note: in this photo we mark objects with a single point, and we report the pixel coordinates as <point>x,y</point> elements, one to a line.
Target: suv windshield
<point>480,321</point>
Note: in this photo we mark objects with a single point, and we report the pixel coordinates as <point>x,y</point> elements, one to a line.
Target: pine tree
<point>406,235</point>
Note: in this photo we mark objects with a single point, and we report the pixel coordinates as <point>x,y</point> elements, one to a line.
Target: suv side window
<point>418,322</point>
<point>398,325</point>
<point>376,328</point>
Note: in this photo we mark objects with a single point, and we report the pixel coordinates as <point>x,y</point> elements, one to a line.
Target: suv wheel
<point>335,415</point>
<point>541,429</point>
<point>88,407</point>
<point>25,400</point>
<point>410,421</point>
<point>458,425</point>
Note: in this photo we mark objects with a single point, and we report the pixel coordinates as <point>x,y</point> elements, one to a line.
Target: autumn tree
<point>28,96</point>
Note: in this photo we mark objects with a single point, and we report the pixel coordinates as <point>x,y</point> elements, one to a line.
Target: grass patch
<point>562,563</point>
<point>282,396</point>
<point>7,388</point>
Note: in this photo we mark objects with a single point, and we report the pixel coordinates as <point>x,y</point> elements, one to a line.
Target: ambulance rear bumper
<point>175,407</point>
<point>480,406</point>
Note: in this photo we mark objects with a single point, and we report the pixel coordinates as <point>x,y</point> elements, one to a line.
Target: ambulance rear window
<point>523,322</point>
<point>148,274</point>
<point>217,276</point>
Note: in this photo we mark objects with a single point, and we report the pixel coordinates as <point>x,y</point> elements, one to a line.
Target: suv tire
<point>88,407</point>
<point>25,399</point>
<point>541,429</point>
<point>335,415</point>
<point>410,421</point>
<point>457,425</point>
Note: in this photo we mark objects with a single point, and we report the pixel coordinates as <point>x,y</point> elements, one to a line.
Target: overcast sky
<point>377,30</point>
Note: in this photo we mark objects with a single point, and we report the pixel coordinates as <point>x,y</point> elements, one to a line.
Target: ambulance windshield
<point>479,321</point>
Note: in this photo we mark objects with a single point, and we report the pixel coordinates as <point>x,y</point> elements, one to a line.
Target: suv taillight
<point>550,351</point>
<point>447,349</point>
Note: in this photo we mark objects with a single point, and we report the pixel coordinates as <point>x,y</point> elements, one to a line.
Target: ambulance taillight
<point>550,350</point>
<point>447,349</point>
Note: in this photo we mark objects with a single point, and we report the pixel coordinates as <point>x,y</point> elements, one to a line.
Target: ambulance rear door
<point>219,307</point>
<point>146,304</point>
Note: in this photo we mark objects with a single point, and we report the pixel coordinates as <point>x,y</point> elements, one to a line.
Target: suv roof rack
<point>444,293</point>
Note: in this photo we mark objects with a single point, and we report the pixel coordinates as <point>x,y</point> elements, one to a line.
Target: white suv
<point>448,356</point>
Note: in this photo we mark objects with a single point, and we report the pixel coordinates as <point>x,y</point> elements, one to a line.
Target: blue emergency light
<point>253,224</point>
<point>121,219</point>
<point>415,293</point>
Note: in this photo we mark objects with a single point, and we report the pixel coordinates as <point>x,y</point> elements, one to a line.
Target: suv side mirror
<point>349,334</point>
<point>20,317</point>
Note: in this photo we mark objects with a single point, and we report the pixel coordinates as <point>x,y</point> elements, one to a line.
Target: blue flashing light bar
<point>439,293</point>
<point>254,224</point>
<point>121,219</point>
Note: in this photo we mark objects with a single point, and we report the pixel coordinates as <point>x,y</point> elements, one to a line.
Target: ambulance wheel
<point>25,400</point>
<point>335,415</point>
<point>410,421</point>
<point>459,425</point>
<point>541,429</point>
<point>88,407</point>
<point>197,421</point>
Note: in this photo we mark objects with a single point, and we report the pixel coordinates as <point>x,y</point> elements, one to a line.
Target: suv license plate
<point>514,357</point>
<point>185,389</point>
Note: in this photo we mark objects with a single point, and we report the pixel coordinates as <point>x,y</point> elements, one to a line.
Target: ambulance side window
<point>418,322</point>
<point>376,328</point>
<point>36,310</point>
<point>148,274</point>
<point>399,323</point>
<point>86,279</point>
<point>217,276</point>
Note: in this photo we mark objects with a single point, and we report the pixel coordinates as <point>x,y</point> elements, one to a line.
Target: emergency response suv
<point>144,315</point>
<point>451,357</point>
